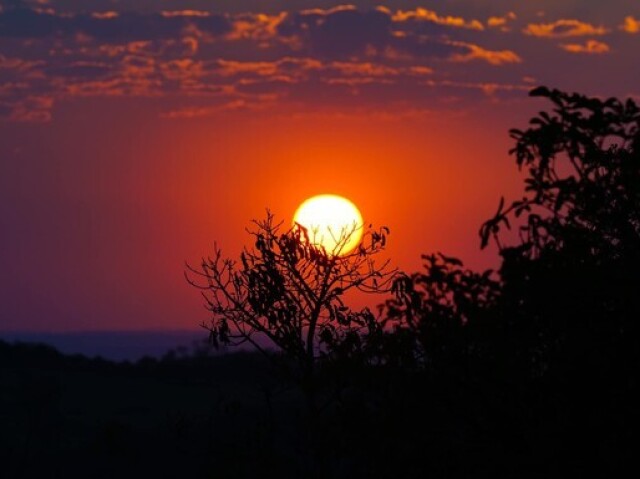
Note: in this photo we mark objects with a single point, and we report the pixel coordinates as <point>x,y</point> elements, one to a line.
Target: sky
<point>134,134</point>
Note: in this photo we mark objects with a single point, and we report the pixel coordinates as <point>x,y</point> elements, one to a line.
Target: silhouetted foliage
<point>434,311</point>
<point>583,184</point>
<point>289,291</point>
<point>569,285</point>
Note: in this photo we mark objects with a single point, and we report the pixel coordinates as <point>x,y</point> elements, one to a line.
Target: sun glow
<point>332,222</point>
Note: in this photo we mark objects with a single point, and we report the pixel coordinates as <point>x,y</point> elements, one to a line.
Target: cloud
<point>631,25</point>
<point>203,111</point>
<point>501,22</point>
<point>591,46</point>
<point>24,92</point>
<point>339,32</point>
<point>184,13</point>
<point>106,15</point>
<point>30,109</point>
<point>490,89</point>
<point>563,29</point>
<point>363,68</point>
<point>256,26</point>
<point>424,15</point>
<point>79,69</point>
<point>108,26</point>
<point>476,52</point>
<point>196,63</point>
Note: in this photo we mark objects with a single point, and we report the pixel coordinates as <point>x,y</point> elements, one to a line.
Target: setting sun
<point>333,222</point>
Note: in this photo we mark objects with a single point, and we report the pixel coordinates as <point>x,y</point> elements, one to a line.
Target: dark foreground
<point>229,416</point>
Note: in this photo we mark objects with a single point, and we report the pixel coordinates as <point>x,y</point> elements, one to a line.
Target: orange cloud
<point>631,25</point>
<point>184,13</point>
<point>490,56</point>
<point>422,14</point>
<point>289,67</point>
<point>564,28</point>
<point>420,70</point>
<point>111,87</point>
<point>501,22</point>
<point>355,82</point>
<point>592,46</point>
<point>298,68</point>
<point>33,109</point>
<point>27,68</point>
<point>232,67</point>
<point>291,64</point>
<point>220,63</point>
<point>105,15</point>
<point>364,68</point>
<point>259,26</point>
<point>328,11</point>
<point>182,69</point>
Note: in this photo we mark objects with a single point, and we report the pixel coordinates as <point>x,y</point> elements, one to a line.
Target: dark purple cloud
<point>259,60</point>
<point>121,27</point>
<point>339,33</point>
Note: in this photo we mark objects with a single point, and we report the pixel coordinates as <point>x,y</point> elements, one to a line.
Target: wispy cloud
<point>631,25</point>
<point>204,63</point>
<point>591,46</point>
<point>564,28</point>
<point>502,22</point>
<point>425,15</point>
<point>475,52</point>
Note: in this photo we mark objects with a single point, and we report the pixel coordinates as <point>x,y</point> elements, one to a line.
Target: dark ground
<point>228,416</point>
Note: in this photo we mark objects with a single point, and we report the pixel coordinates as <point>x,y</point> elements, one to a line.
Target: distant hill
<point>115,345</point>
<point>72,416</point>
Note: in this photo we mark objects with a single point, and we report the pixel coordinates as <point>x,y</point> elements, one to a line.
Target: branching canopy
<point>583,184</point>
<point>289,291</point>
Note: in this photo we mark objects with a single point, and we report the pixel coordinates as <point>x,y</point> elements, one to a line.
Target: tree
<point>583,184</point>
<point>571,280</point>
<point>550,344</point>
<point>571,276</point>
<point>569,303</point>
<point>288,291</point>
<point>436,311</point>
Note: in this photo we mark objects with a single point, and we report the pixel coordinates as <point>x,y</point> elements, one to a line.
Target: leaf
<point>451,260</point>
<point>540,91</point>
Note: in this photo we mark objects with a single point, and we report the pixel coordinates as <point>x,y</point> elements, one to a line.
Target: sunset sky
<point>134,133</point>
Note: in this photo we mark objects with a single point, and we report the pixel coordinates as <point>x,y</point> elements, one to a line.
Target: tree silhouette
<point>569,306</point>
<point>288,291</point>
<point>569,284</point>
<point>547,348</point>
<point>433,311</point>
<point>583,185</point>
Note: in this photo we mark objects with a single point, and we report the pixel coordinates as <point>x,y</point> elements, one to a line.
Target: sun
<point>332,221</point>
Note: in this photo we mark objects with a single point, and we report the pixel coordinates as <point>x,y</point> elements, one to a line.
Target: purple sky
<point>135,133</point>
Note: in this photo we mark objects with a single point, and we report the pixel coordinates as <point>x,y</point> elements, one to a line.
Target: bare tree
<point>288,291</point>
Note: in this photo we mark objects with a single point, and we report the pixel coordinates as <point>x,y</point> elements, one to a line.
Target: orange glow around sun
<point>333,222</point>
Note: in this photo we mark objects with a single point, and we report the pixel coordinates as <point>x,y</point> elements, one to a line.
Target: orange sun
<point>333,222</point>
